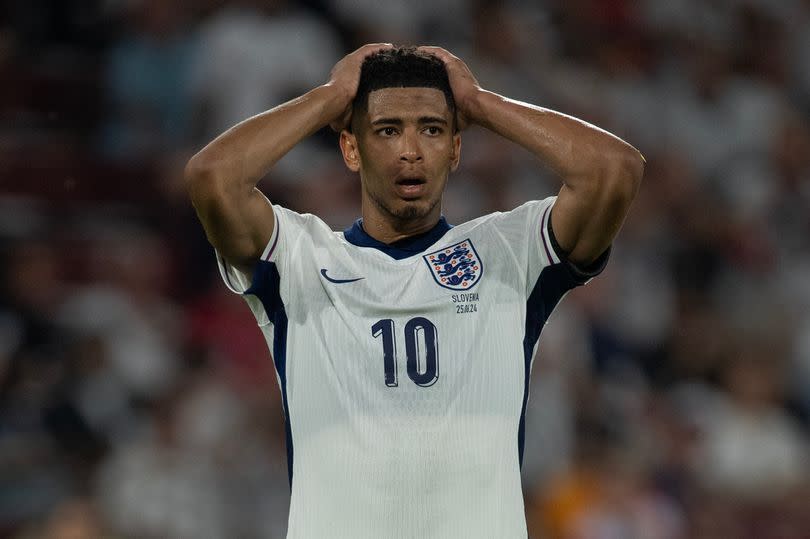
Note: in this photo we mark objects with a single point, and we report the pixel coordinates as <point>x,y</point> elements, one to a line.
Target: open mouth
<point>411,181</point>
<point>411,187</point>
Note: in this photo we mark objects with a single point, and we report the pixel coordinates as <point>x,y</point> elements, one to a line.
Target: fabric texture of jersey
<point>404,372</point>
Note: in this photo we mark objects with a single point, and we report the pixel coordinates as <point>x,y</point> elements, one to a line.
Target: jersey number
<point>421,349</point>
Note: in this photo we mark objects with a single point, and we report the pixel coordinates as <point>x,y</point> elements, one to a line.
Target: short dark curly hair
<point>401,67</point>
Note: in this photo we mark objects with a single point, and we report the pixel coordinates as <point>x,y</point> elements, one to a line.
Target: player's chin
<point>413,209</point>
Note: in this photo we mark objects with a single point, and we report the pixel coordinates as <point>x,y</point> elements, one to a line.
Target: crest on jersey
<point>457,267</point>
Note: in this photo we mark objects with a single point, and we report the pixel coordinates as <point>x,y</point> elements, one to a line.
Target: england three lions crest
<point>457,267</point>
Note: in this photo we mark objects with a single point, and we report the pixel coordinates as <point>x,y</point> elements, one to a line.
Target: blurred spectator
<point>126,307</point>
<point>258,54</point>
<point>670,397</point>
<point>71,519</point>
<point>605,495</point>
<point>151,488</point>
<point>199,472</point>
<point>751,447</point>
<point>221,330</point>
<point>799,52</point>
<point>147,77</point>
<point>398,22</point>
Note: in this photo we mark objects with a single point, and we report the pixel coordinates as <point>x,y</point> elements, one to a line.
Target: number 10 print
<point>422,361</point>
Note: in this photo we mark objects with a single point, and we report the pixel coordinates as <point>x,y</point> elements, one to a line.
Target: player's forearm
<point>243,154</point>
<point>586,157</point>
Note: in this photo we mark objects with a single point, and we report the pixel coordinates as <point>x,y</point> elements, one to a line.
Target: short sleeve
<point>238,281</point>
<point>261,290</point>
<point>528,233</point>
<point>275,282</point>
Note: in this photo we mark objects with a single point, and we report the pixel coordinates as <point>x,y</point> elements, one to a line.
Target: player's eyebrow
<point>399,121</point>
<point>432,120</point>
<point>394,121</point>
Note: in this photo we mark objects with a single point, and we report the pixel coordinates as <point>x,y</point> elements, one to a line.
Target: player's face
<point>404,148</point>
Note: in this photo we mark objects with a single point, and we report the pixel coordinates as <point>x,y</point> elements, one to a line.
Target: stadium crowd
<point>671,396</point>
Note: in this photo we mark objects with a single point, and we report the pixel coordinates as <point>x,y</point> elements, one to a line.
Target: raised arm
<point>222,177</point>
<point>600,172</point>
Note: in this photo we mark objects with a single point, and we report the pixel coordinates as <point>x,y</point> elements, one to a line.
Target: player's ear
<point>455,154</point>
<point>350,151</point>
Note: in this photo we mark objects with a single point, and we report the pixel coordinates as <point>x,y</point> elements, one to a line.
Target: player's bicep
<point>238,227</point>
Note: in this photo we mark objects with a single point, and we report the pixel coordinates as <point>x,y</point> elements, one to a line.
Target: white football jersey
<point>404,369</point>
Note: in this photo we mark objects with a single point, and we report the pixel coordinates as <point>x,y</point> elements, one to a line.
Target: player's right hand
<point>345,77</point>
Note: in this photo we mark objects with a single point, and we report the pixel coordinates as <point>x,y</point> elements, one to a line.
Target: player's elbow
<point>626,172</point>
<point>197,171</point>
<point>634,164</point>
<point>202,181</point>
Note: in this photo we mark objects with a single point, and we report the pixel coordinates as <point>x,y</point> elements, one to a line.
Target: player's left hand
<point>463,83</point>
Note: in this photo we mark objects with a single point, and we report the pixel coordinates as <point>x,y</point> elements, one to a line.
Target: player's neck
<point>388,229</point>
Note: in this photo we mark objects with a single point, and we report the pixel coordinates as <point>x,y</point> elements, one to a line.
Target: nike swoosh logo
<point>338,281</point>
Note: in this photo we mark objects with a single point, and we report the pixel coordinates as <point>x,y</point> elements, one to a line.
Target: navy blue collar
<point>400,249</point>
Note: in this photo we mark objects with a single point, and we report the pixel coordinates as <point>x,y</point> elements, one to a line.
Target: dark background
<point>671,396</point>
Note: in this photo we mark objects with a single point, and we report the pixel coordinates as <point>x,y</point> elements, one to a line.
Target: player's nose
<point>410,151</point>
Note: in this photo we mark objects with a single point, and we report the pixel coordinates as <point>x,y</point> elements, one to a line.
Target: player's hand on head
<point>345,76</point>
<point>463,83</point>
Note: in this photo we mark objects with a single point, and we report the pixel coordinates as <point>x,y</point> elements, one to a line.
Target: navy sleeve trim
<point>581,274</point>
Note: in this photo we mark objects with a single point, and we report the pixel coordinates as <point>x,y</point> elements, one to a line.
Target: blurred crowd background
<point>671,396</point>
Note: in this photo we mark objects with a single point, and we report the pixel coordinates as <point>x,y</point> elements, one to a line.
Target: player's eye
<point>433,130</point>
<point>388,131</point>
